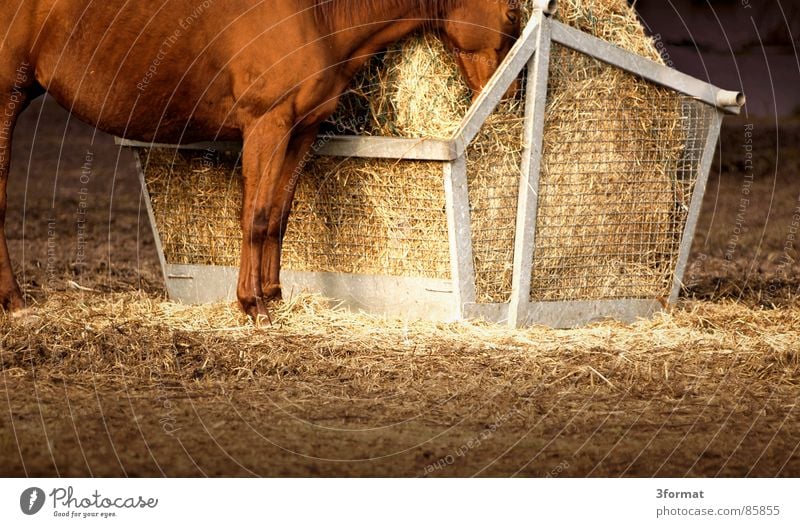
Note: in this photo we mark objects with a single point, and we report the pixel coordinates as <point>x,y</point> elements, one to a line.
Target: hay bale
<point>609,223</point>
<point>355,216</point>
<point>415,89</point>
<point>196,199</point>
<point>349,217</point>
<point>613,145</point>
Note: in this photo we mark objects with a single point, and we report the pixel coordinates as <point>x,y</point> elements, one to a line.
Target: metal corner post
<point>536,93</point>
<point>459,226</point>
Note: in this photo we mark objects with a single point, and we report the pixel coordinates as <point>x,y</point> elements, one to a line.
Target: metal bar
<point>548,6</point>
<point>423,298</point>
<point>459,226</point>
<point>696,205</point>
<point>339,146</point>
<point>572,314</point>
<point>647,69</point>
<point>220,146</point>
<point>498,85</point>
<point>388,148</point>
<point>493,313</point>
<point>152,216</point>
<point>527,208</point>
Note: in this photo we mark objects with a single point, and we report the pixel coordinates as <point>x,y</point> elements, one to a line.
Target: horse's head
<point>481,33</point>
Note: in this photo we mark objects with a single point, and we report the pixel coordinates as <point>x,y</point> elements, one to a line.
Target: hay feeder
<point>599,225</point>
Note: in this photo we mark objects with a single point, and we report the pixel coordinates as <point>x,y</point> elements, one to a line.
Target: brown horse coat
<point>266,72</point>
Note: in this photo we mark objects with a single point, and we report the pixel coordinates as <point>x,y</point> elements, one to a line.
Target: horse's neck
<point>374,26</point>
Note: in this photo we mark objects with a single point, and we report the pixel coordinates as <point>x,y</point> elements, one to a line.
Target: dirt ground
<point>108,379</point>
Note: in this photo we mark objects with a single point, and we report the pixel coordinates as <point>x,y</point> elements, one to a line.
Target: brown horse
<point>266,72</point>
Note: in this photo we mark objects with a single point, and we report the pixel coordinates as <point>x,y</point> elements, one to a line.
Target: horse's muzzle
<point>510,93</point>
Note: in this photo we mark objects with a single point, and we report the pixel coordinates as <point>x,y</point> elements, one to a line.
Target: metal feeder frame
<point>455,299</point>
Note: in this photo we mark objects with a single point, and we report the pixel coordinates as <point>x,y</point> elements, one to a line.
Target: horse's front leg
<point>297,155</point>
<point>14,97</point>
<point>265,145</point>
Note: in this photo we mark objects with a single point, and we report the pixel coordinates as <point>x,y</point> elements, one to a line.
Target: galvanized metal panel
<point>459,226</point>
<point>338,146</point>
<point>388,148</point>
<point>573,314</point>
<point>566,315</point>
<point>492,313</point>
<point>408,298</point>
<point>527,209</point>
<point>645,68</point>
<point>412,298</point>
<point>201,284</point>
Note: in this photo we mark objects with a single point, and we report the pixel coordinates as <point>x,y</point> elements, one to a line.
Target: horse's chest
<point>318,98</point>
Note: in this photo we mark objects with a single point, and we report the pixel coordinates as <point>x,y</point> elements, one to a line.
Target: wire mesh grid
<point>493,171</point>
<point>349,215</point>
<point>620,162</point>
<point>196,199</point>
<point>367,216</point>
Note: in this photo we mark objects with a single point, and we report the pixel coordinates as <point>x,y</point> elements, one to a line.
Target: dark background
<point>751,49</point>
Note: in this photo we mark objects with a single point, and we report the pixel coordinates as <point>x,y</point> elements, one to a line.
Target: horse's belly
<point>142,81</point>
<point>181,72</point>
<point>169,110</point>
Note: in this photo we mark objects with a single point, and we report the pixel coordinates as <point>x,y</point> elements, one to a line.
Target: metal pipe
<point>549,7</point>
<point>731,98</point>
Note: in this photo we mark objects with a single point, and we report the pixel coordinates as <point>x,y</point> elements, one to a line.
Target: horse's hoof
<point>12,303</point>
<point>272,292</point>
<point>257,310</point>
